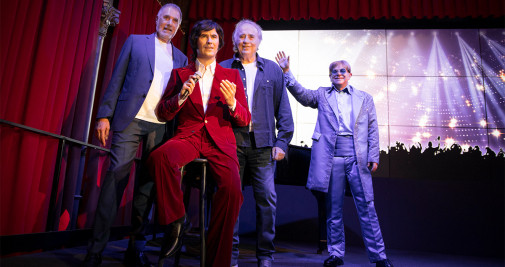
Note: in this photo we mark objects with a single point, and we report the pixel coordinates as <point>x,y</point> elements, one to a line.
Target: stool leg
<point>203,186</point>
<point>177,258</point>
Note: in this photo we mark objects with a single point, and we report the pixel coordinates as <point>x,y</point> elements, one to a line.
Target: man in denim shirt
<point>257,145</point>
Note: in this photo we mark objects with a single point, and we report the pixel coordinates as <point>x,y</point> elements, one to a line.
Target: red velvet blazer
<point>218,119</point>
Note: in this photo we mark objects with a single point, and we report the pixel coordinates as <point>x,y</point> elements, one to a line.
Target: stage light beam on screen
<point>497,50</point>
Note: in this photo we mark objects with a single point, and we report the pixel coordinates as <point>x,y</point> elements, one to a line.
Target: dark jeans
<point>261,167</point>
<point>123,150</point>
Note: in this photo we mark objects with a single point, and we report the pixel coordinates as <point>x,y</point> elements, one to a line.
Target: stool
<point>203,187</point>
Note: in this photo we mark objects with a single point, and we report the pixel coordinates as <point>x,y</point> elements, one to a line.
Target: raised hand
<point>283,61</point>
<point>228,89</point>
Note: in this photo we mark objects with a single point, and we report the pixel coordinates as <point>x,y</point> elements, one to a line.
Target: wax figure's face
<point>208,44</point>
<point>247,40</point>
<point>340,78</point>
<point>167,23</point>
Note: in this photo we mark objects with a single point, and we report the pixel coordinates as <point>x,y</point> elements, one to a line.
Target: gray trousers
<point>123,150</point>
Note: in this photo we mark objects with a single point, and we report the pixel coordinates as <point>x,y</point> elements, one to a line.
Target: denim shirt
<point>270,110</point>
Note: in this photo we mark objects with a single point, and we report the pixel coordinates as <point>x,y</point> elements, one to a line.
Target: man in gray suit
<point>345,147</point>
<point>138,81</point>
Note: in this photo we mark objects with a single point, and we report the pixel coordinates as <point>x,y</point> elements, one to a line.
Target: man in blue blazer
<point>258,144</point>
<point>138,81</point>
<point>345,147</point>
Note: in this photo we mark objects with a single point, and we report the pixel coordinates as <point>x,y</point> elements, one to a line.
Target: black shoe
<point>172,240</point>
<point>92,260</point>
<point>384,263</point>
<point>333,261</point>
<point>136,258</point>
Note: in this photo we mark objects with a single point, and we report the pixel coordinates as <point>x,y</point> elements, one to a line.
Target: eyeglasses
<point>335,71</point>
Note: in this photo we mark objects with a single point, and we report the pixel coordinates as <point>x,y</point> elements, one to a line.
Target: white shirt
<point>206,81</point>
<point>250,73</point>
<point>163,65</point>
<point>345,112</point>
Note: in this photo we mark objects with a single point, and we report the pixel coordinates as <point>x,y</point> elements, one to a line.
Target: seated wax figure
<point>207,110</point>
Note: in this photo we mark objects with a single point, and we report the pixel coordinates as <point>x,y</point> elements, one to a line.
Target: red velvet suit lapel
<point>215,93</point>
<point>196,96</point>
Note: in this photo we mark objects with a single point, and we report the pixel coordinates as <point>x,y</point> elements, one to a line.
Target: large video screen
<point>432,88</point>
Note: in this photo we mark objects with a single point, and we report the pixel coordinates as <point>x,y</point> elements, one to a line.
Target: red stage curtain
<point>344,9</point>
<point>45,48</point>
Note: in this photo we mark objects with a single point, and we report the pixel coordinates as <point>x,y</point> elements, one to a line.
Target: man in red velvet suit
<point>206,110</point>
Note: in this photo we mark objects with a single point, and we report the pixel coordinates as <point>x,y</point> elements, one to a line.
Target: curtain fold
<point>345,9</point>
<point>42,61</point>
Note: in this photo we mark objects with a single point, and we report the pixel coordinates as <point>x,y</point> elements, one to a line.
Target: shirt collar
<point>260,62</point>
<point>200,67</point>
<point>345,90</point>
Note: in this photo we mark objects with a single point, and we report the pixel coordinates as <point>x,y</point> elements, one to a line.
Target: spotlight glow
<point>453,122</point>
<point>423,121</point>
<point>370,74</point>
<point>483,123</point>
<point>393,87</point>
<point>426,135</point>
<point>449,141</point>
<point>496,133</point>
<point>414,90</point>
<point>379,97</point>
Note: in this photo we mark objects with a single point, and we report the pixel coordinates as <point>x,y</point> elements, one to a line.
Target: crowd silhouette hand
<point>283,61</point>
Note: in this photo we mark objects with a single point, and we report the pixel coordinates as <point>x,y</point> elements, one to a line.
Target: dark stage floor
<point>288,254</point>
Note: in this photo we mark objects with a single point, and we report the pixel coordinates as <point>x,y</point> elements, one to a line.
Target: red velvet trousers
<point>165,163</point>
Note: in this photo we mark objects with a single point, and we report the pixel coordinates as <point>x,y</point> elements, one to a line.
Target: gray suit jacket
<point>131,80</point>
<point>366,134</point>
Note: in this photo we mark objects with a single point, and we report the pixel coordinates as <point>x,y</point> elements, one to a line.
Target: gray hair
<point>342,63</point>
<point>237,27</point>
<point>174,6</point>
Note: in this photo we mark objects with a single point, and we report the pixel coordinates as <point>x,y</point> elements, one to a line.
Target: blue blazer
<point>366,134</point>
<point>131,80</point>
